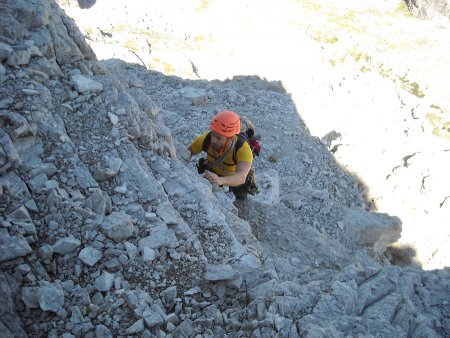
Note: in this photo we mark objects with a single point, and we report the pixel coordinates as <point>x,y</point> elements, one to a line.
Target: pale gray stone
<point>170,294</point>
<point>66,245</point>
<point>118,226</point>
<point>148,255</point>
<point>154,316</point>
<point>269,187</point>
<point>195,96</point>
<point>137,327</point>
<point>132,250</point>
<point>217,272</point>
<point>50,296</point>
<point>104,282</point>
<point>90,256</point>
<point>2,69</point>
<point>84,84</point>
<point>18,58</point>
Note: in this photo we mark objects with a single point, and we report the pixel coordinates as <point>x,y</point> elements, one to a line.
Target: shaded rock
<point>30,297</point>
<point>101,331</point>
<point>5,50</point>
<point>148,255</point>
<point>185,329</point>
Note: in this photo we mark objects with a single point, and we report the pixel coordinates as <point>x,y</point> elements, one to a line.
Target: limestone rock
<point>118,226</point>
<point>84,84</point>
<point>376,230</point>
<point>159,237</point>
<point>12,247</point>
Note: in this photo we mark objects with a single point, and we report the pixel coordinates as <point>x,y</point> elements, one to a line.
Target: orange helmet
<point>226,123</point>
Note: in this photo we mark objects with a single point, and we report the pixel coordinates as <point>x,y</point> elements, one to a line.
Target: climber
<point>229,157</point>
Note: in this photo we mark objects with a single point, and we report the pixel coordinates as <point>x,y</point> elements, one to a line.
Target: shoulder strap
<point>206,142</point>
<point>240,141</point>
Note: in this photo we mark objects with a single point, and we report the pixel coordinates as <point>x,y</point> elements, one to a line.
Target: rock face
<point>106,231</point>
<point>429,9</point>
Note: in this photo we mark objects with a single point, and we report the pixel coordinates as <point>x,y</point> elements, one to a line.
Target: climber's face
<point>218,142</point>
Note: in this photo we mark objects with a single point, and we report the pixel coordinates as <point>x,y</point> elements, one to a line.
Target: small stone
<point>148,255</point>
<point>216,272</point>
<point>118,226</point>
<point>137,327</point>
<point>18,58</point>
<point>121,190</point>
<point>66,245</point>
<point>113,118</point>
<point>104,282</point>
<point>50,296</point>
<point>90,256</point>
<point>101,331</point>
<point>45,252</point>
<point>132,250</point>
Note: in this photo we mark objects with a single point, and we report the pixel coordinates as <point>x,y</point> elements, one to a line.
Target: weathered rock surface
<point>105,231</point>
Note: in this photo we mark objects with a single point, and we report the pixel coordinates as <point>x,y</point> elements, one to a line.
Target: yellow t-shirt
<point>227,167</point>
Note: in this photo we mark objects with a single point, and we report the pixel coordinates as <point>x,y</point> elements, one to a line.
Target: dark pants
<point>240,192</point>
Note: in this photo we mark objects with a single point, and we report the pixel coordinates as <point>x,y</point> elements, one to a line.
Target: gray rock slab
<point>50,296</point>
<point>84,84</point>
<point>90,256</point>
<point>132,250</point>
<point>118,226</point>
<point>12,247</point>
<point>5,50</point>
<point>154,316</point>
<point>159,238</point>
<point>218,272</point>
<point>20,215</point>
<point>376,230</point>
<point>66,245</point>
<point>166,211</point>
